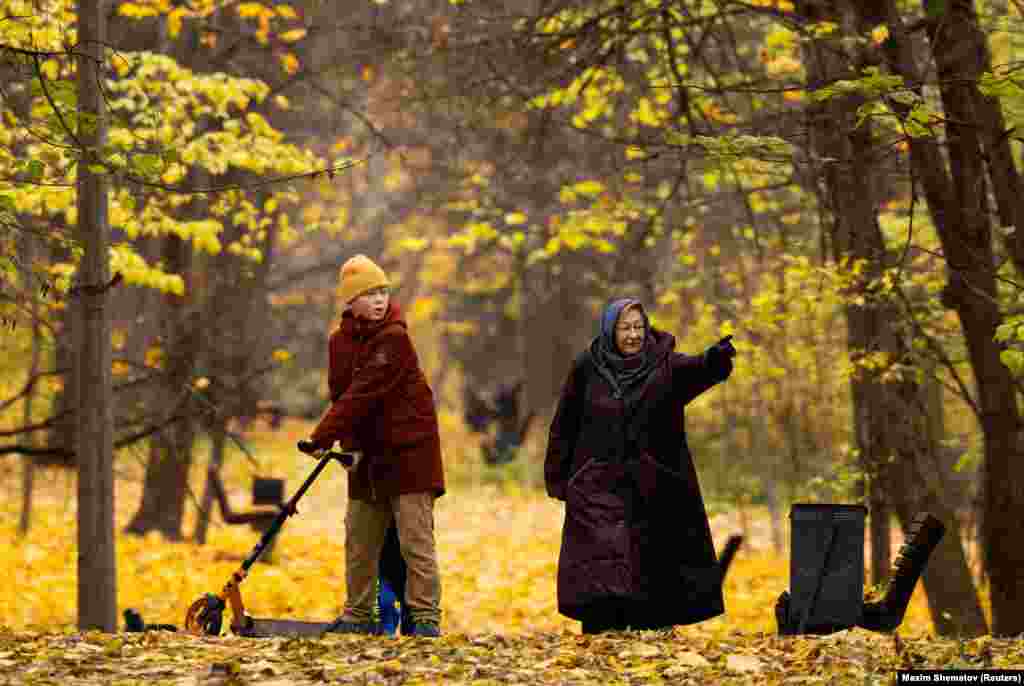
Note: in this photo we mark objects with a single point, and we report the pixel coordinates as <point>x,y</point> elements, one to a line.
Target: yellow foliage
<point>250,10</point>
<point>312,213</point>
<point>412,244</point>
<point>590,187</point>
<point>134,11</point>
<point>879,34</point>
<point>482,230</point>
<point>634,153</point>
<point>648,115</point>
<point>424,308</point>
<point>286,11</point>
<point>292,35</point>
<point>290,63</point>
<point>784,65</point>
<point>174,21</point>
<point>51,69</point>
<point>155,357</point>
<point>497,551</point>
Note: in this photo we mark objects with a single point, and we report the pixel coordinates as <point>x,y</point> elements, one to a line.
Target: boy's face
<point>372,305</point>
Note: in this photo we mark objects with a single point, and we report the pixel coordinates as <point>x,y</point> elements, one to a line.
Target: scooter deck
<point>269,628</point>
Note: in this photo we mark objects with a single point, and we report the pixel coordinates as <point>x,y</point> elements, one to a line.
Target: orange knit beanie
<point>358,275</point>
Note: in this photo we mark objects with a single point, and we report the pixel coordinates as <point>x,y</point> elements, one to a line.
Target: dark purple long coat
<point>635,524</point>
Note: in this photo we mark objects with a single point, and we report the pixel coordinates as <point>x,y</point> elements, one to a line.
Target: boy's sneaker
<point>340,626</point>
<point>426,629</point>
<point>407,625</point>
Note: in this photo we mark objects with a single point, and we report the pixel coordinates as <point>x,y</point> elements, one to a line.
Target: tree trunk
<point>854,235</point>
<point>971,291</point>
<point>880,534</point>
<point>216,461</point>
<point>28,461</point>
<point>963,49</point>
<point>775,514</point>
<point>142,332</point>
<point>235,311</point>
<point>62,435</point>
<point>889,414</point>
<point>948,201</point>
<point>166,482</point>
<point>97,573</point>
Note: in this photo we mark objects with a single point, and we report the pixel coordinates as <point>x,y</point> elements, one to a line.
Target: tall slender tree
<point>888,408</point>
<point>29,461</point>
<point>97,574</point>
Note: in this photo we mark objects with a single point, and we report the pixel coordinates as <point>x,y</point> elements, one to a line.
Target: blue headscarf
<point>623,372</point>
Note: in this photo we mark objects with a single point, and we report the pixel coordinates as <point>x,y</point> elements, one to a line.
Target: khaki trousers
<point>366,526</point>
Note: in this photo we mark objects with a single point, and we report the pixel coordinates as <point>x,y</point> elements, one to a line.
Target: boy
<point>382,405</point>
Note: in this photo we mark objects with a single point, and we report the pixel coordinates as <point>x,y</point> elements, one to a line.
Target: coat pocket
<point>587,464</point>
<point>659,487</point>
<point>595,515</point>
<point>660,467</point>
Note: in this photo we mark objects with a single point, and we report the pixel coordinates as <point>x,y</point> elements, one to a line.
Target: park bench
<point>265,491</point>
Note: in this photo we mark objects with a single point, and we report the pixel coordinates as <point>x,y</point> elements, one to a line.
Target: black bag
<point>267,491</point>
<point>826,569</point>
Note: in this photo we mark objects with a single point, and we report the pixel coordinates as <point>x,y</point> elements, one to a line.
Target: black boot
<point>786,627</point>
<point>133,620</point>
<point>924,535</point>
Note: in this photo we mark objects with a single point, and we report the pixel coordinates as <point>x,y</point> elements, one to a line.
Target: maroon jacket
<point>382,405</point>
<point>635,525</point>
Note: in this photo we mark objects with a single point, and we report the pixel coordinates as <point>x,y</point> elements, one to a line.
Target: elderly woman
<point>636,544</point>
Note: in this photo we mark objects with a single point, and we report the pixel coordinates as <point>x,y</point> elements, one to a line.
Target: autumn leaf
<point>136,11</point>
<point>292,35</point>
<point>500,611</point>
<point>590,187</point>
<point>289,62</point>
<point>286,11</point>
<point>743,663</point>
<point>249,10</point>
<point>174,21</point>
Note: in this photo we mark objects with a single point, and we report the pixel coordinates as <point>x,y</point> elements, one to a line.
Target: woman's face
<point>372,305</point>
<point>629,331</point>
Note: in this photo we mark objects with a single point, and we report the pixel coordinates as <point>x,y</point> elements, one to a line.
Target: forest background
<point>835,183</point>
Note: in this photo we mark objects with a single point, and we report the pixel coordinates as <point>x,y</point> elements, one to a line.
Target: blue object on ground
<point>389,605</point>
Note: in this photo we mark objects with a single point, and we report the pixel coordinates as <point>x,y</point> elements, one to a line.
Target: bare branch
<point>53,106</point>
<point>123,442</point>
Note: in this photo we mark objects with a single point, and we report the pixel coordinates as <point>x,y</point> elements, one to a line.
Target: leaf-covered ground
<point>681,657</point>
<point>498,550</point>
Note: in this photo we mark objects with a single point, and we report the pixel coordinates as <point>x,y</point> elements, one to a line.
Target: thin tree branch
<point>120,443</point>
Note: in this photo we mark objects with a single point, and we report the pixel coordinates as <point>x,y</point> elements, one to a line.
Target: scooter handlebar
<point>348,458</point>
